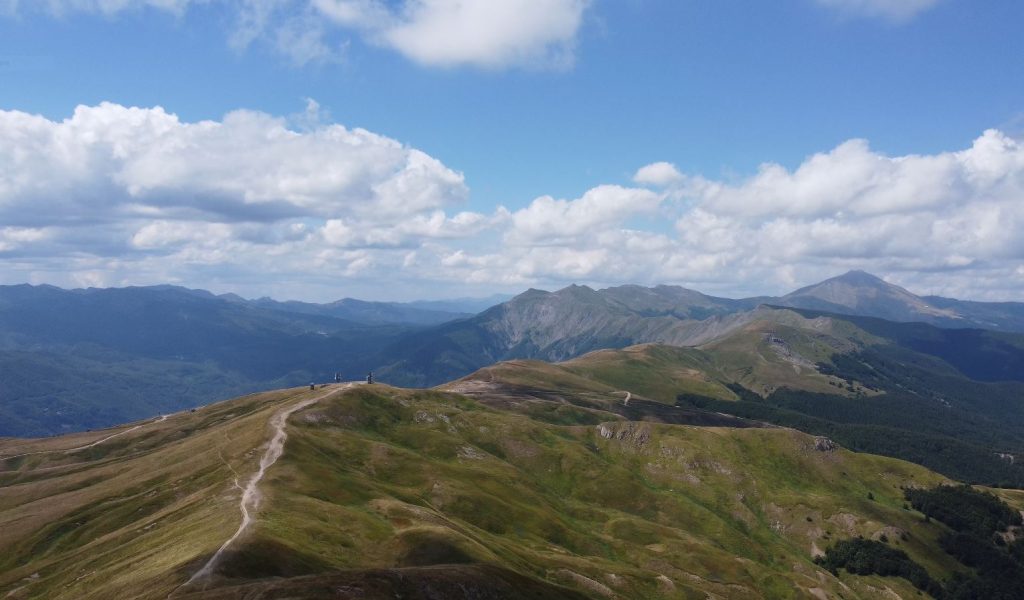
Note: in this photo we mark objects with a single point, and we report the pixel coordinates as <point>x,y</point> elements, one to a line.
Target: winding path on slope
<point>96,443</point>
<point>251,493</point>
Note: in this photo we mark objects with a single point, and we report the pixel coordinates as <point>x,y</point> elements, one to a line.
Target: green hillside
<point>412,492</point>
<point>900,390</point>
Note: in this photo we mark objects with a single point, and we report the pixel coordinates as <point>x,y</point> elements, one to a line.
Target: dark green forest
<point>977,525</point>
<point>923,411</point>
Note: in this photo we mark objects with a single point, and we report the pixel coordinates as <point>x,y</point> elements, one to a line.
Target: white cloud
<point>955,215</point>
<point>142,196</point>
<point>12,238</point>
<point>162,234</point>
<point>659,174</point>
<point>550,221</point>
<point>447,33</point>
<point>946,223</point>
<point>487,33</point>
<point>107,161</point>
<point>252,204</point>
<point>893,10</point>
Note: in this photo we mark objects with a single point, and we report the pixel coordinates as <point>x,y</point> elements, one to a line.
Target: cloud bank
<point>254,203</point>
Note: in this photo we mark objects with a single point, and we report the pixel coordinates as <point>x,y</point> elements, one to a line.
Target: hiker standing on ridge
<point>369,377</point>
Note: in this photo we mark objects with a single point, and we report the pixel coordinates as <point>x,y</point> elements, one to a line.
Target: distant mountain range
<point>577,319</point>
<point>77,359</point>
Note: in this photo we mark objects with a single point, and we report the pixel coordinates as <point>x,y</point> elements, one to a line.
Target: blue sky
<point>569,104</point>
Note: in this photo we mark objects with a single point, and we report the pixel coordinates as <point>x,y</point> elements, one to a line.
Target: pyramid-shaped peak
<point>858,277</point>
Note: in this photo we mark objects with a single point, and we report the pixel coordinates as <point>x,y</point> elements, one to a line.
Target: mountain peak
<point>851,282</point>
<point>858,277</point>
<point>575,290</point>
<point>858,292</point>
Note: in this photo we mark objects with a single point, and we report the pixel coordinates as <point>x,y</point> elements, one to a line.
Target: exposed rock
<point>471,453</point>
<point>637,434</point>
<point>847,521</point>
<point>824,444</point>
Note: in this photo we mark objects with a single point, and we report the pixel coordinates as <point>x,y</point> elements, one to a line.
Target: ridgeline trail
<point>96,443</point>
<point>251,494</point>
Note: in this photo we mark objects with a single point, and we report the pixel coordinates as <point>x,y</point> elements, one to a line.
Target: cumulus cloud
<point>948,213</point>
<point>548,221</point>
<point>659,174</point>
<point>893,10</point>
<point>258,204</point>
<point>447,33</point>
<point>108,162</point>
<point>137,192</point>
<point>486,33</point>
<point>944,223</point>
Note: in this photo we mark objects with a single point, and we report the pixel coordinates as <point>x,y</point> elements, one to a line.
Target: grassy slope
<point>661,373</point>
<point>382,478</point>
<point>130,516</point>
<point>653,371</point>
<point>748,358</point>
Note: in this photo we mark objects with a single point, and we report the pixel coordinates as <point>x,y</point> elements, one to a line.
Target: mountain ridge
<point>90,358</point>
<point>378,485</point>
<point>569,322</point>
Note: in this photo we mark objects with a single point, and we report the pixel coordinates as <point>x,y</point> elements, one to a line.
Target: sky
<point>423,149</point>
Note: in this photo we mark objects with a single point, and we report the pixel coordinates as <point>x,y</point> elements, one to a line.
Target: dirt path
<point>251,493</point>
<point>96,443</point>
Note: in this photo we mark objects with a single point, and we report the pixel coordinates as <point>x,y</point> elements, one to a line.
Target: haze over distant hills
<point>76,359</point>
<point>71,360</point>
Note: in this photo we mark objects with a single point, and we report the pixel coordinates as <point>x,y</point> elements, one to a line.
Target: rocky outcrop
<point>634,434</point>
<point>824,444</point>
